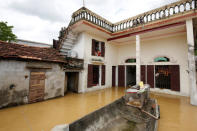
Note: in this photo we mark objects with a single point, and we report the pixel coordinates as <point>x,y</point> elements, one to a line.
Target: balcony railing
<point>85,14</point>
<point>153,15</point>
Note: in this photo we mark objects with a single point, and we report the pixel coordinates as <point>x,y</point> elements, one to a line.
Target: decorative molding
<point>98,61</point>
<point>172,60</point>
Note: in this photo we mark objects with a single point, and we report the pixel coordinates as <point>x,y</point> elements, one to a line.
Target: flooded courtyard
<point>176,112</point>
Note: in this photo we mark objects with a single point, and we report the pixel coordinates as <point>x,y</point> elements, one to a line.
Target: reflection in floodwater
<point>176,112</point>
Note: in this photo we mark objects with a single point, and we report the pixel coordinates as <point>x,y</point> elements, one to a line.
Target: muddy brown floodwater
<point>176,112</point>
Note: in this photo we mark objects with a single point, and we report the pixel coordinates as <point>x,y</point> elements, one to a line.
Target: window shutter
<point>113,76</point>
<point>93,47</point>
<point>90,75</point>
<point>121,76</point>
<point>175,77</point>
<point>103,49</point>
<point>103,75</point>
<point>150,75</point>
<point>143,73</point>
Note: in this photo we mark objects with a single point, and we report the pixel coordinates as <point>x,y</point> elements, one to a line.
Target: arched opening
<point>161,59</point>
<point>130,60</point>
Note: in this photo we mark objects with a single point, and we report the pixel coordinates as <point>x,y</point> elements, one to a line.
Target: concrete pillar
<point>138,74</point>
<point>191,62</point>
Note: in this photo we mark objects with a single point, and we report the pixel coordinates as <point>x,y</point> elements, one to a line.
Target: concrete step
<point>71,41</point>
<point>63,53</point>
<point>67,47</point>
<point>72,33</point>
<point>64,50</point>
<point>72,36</point>
<point>68,44</point>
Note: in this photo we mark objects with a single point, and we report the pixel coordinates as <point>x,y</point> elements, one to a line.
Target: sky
<point>41,20</point>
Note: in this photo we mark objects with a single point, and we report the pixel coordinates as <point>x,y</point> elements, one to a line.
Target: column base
<point>193,100</point>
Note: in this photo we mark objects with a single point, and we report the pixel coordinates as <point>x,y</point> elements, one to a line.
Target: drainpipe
<point>138,74</point>
<point>191,62</point>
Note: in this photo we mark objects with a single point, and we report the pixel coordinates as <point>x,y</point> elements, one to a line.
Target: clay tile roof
<point>10,50</point>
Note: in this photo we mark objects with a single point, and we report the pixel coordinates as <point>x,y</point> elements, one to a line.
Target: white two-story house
<point>156,47</point>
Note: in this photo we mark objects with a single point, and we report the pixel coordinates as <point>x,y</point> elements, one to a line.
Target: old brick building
<point>31,74</point>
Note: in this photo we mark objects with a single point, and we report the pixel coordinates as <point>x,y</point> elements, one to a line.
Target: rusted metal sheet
<point>36,87</point>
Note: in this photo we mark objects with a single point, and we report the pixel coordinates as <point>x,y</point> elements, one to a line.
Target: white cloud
<point>41,20</point>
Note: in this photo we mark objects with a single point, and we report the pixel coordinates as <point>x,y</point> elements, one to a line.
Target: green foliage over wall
<point>6,33</point>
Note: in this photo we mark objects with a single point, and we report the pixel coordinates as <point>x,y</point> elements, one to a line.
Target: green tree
<point>6,33</point>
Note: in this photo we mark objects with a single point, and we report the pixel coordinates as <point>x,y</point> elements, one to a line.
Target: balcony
<point>164,12</point>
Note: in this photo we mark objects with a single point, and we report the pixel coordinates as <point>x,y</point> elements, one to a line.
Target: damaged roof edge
<point>17,51</point>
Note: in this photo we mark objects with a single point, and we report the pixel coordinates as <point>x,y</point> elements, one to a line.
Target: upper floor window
<point>130,60</point>
<point>161,59</point>
<point>98,48</point>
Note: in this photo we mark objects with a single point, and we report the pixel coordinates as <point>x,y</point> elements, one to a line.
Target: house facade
<point>156,47</point>
<point>31,74</point>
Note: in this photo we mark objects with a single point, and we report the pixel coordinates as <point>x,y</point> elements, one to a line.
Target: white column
<point>138,74</point>
<point>191,61</point>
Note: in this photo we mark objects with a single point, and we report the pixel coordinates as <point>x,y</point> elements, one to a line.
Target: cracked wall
<point>15,77</point>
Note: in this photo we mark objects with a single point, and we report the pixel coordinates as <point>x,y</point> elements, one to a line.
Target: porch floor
<point>176,112</point>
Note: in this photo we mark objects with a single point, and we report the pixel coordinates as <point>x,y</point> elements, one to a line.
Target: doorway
<point>95,75</point>
<point>131,75</point>
<point>167,77</point>
<point>163,77</point>
<point>36,87</point>
<point>72,81</point>
<point>121,76</point>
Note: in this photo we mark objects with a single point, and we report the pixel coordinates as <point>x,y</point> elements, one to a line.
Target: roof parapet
<point>144,18</point>
<point>164,12</point>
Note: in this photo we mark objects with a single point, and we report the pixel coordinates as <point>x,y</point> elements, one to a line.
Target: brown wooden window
<point>95,75</point>
<point>103,75</point>
<point>121,75</point>
<point>113,76</point>
<point>94,72</point>
<point>90,75</point>
<point>98,48</point>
